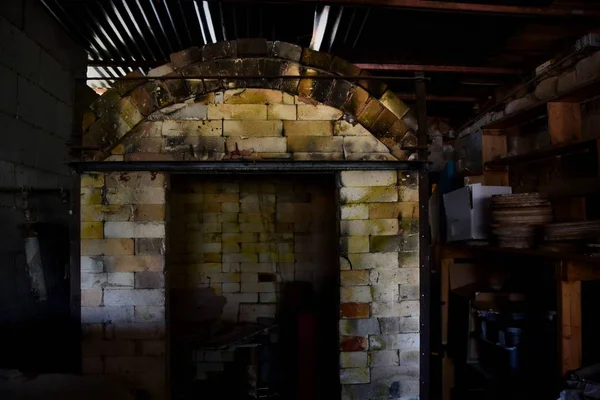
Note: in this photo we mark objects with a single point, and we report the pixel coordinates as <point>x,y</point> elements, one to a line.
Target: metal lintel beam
<point>440,68</point>
<point>245,166</point>
<point>243,77</point>
<point>373,67</point>
<point>439,98</point>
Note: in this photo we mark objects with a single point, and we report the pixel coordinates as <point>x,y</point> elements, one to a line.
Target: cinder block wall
<point>38,61</point>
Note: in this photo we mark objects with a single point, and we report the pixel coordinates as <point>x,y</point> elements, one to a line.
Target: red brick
<point>354,310</point>
<point>353,343</point>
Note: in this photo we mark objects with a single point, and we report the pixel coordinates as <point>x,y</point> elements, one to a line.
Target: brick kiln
<point>316,239</point>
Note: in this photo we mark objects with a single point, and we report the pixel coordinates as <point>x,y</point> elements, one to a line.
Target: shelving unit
<point>570,197</point>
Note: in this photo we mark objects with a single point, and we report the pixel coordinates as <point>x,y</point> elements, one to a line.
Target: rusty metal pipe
<point>440,68</point>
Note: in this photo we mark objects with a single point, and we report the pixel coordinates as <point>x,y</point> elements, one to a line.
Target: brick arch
<point>111,119</point>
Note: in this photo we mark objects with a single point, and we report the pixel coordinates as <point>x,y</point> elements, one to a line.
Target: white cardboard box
<point>468,211</point>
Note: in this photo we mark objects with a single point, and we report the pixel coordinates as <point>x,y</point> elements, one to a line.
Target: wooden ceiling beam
<point>448,6</point>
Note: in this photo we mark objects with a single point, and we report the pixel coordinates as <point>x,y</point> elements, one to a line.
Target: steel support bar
<point>446,6</point>
<point>240,77</point>
<point>436,98</point>
<point>424,250</point>
<point>459,69</point>
<point>245,166</point>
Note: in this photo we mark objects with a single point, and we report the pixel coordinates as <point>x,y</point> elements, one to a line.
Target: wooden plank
<point>569,315</point>
<point>579,271</point>
<point>564,122</point>
<point>493,147</point>
<point>445,296</point>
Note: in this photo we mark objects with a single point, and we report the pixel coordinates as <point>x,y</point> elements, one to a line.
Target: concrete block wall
<point>122,277</point>
<point>38,61</point>
<point>243,238</point>
<point>379,277</point>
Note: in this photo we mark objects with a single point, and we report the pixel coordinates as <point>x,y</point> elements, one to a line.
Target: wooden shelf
<point>542,154</point>
<point>458,250</point>
<point>579,93</point>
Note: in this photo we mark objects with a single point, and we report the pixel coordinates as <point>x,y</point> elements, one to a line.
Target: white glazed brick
<point>120,280</point>
<point>90,281</point>
<point>405,309</point>
<point>134,297</point>
<point>387,292</point>
<point>401,341</point>
<point>355,211</point>
<point>134,230</point>
<point>92,264</point>
<point>382,261</point>
<point>354,359</point>
<point>354,244</point>
<point>372,194</point>
<point>400,276</point>
<point>351,376</point>
<point>383,358</point>
<point>98,315</point>
<point>368,178</point>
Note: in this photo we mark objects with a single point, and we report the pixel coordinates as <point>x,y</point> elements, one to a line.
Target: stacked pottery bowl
<point>516,218</point>
<point>573,237</point>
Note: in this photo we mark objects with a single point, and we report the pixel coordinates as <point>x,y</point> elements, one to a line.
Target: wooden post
<point>447,365</point>
<point>564,122</point>
<point>494,147</point>
<point>569,322</point>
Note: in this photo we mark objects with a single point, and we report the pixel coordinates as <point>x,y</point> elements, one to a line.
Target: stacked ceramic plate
<point>515,218</point>
<point>583,230</point>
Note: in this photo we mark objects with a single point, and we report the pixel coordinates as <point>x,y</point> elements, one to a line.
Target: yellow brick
<point>258,247</point>
<point>91,196</point>
<point>192,128</point>
<point>135,179</point>
<point>253,217</point>
<point>407,210</point>
<point>282,111</point>
<point>92,213</point>
<point>318,112</point>
<point>314,143</point>
<point>252,96</point>
<point>252,128</point>
<point>343,128</point>
<point>92,230</point>
<point>307,128</point>
<point>231,248</point>
<point>237,111</point>
<point>92,180</point>
<point>240,238</point>
<point>288,98</point>
<point>205,267</point>
<point>149,212</point>
<point>222,198</point>
<point>95,247</point>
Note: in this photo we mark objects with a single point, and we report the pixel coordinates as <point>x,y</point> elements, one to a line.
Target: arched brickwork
<point>369,103</point>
